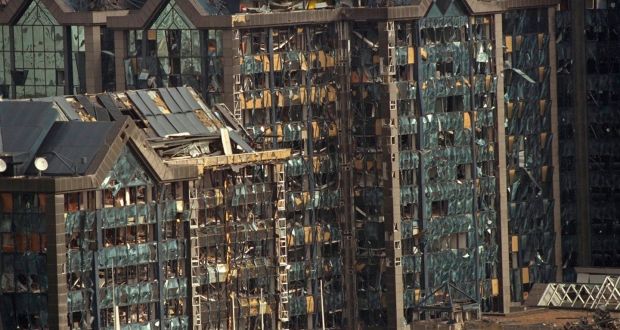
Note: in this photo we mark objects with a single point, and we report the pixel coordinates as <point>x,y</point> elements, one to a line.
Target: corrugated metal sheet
<point>176,115</point>
<point>66,108</point>
<point>109,104</point>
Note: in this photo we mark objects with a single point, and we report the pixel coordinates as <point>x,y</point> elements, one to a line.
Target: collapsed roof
<point>75,132</point>
<point>176,121</point>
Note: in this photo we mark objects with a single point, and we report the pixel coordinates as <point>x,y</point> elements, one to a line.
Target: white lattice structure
<point>583,295</point>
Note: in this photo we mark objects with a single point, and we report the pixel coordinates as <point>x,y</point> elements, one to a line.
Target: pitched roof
<point>175,119</point>
<point>23,127</point>
<point>79,154</point>
<point>74,148</point>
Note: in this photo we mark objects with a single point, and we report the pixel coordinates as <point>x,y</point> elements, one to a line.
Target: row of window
<point>40,58</point>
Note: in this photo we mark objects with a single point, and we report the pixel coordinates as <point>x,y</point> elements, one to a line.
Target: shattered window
<point>39,54</point>
<point>457,156</point>
<point>215,67</point>
<point>445,141</point>
<point>528,151</point>
<point>367,185</point>
<point>172,52</point>
<point>130,253</point>
<point>23,261</point>
<point>288,90</point>
<point>127,172</point>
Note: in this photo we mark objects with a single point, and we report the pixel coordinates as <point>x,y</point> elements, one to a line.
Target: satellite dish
<point>40,164</point>
<point>2,165</point>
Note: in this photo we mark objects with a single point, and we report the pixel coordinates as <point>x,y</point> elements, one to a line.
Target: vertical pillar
<point>555,147</point>
<point>391,178</point>
<point>582,197</point>
<point>92,38</point>
<point>120,53</point>
<point>307,185</point>
<point>502,208</point>
<point>232,70</point>
<point>343,57</point>
<point>272,81</point>
<point>204,64</point>
<point>56,259</point>
<point>420,142</point>
<point>13,92</point>
<point>69,59</point>
<point>160,274</point>
<point>99,237</point>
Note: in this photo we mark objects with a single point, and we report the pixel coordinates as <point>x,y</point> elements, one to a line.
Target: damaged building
<point>300,164</point>
<point>163,220</point>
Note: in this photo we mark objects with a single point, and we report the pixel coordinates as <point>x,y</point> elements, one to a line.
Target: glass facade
<point>39,54</point>
<point>23,261</point>
<point>116,250</point>
<point>167,54</point>
<point>40,58</point>
<point>529,136</point>
<point>33,56</point>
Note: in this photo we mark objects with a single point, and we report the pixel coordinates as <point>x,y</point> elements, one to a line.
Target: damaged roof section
<point>176,120</point>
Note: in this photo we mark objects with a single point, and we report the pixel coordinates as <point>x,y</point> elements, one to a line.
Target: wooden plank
<point>226,141</point>
<point>210,162</point>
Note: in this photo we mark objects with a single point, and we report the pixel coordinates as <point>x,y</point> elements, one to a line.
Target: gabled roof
<point>176,120</point>
<point>62,11</point>
<point>75,148</point>
<point>129,134</point>
<point>66,14</point>
<point>8,12</point>
<point>80,155</point>
<point>137,19</point>
<point>23,127</point>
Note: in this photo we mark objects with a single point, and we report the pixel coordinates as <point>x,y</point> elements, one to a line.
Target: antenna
<point>40,164</point>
